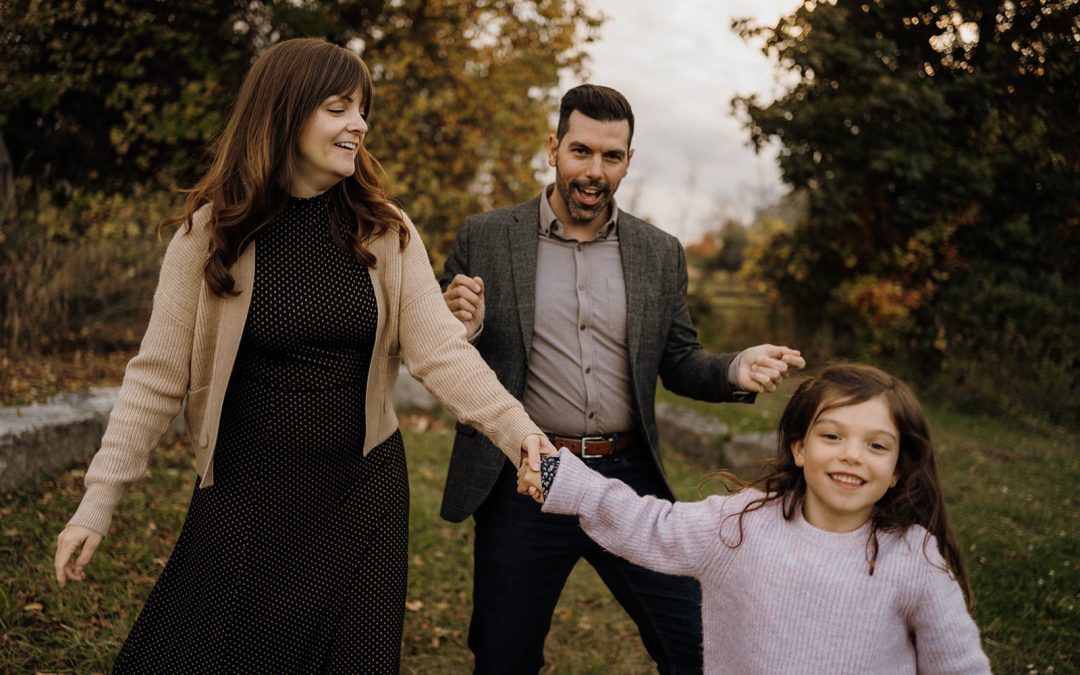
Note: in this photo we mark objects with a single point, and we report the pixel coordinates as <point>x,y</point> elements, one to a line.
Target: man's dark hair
<point>596,102</point>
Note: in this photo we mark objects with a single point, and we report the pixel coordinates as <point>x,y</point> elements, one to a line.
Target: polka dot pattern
<point>295,560</point>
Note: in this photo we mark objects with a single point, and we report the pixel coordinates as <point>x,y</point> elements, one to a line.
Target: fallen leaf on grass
<point>414,605</point>
<point>32,607</point>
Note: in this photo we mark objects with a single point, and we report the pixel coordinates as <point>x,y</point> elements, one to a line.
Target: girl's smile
<point>848,458</point>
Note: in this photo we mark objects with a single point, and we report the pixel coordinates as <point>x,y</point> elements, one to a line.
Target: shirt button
<point>588,370</point>
<point>581,288</point>
<point>578,247</point>
<point>592,415</point>
<point>583,327</point>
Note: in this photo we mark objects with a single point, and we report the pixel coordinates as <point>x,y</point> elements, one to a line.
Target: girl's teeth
<point>850,480</point>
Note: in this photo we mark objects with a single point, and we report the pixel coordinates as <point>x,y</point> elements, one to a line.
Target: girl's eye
<point>337,110</point>
<point>879,446</point>
<point>829,436</point>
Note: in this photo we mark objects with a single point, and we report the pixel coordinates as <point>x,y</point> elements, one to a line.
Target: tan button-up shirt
<point>579,374</point>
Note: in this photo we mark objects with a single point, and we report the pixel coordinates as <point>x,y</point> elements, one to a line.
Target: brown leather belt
<point>603,445</point>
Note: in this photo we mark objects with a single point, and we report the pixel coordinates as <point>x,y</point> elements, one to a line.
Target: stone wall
<point>43,440</point>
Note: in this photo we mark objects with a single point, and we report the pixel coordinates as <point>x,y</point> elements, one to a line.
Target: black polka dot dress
<point>295,559</point>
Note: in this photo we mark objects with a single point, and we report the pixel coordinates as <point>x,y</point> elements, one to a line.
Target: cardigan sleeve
<point>434,349</point>
<point>154,385</point>
<point>679,538</point>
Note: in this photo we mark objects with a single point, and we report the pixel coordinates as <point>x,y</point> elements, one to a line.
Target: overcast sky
<point>679,64</point>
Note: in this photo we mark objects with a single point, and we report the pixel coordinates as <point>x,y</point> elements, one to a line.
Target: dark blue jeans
<point>523,558</point>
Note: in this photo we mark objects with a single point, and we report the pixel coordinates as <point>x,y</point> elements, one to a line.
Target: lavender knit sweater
<point>791,598</point>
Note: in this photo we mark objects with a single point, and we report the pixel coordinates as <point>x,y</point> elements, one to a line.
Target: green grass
<point>1009,492</point>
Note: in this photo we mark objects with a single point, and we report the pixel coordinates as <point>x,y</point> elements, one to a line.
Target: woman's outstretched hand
<point>71,539</point>
<point>533,448</point>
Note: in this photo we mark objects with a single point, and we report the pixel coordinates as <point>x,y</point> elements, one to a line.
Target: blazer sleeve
<point>154,385</point>
<point>434,349</point>
<point>686,368</point>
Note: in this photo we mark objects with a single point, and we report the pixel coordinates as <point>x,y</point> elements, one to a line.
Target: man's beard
<point>582,214</point>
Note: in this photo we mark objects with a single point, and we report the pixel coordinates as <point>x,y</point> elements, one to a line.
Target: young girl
<point>840,560</point>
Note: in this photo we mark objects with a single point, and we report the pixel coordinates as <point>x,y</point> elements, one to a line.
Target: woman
<point>293,555</point>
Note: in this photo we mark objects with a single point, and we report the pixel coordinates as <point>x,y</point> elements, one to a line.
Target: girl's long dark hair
<point>254,164</point>
<point>915,500</point>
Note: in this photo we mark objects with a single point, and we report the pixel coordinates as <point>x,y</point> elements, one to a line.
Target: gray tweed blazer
<point>500,247</point>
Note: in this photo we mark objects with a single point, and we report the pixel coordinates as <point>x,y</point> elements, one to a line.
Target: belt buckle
<point>584,440</point>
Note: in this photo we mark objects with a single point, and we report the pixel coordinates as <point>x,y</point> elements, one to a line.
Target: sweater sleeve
<point>672,538</point>
<point>154,385</point>
<point>946,637</point>
<point>434,349</point>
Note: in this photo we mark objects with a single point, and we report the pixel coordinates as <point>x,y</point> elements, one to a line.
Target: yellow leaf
<point>32,607</point>
<point>412,605</point>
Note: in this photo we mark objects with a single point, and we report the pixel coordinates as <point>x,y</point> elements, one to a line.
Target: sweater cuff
<point>95,511</point>
<point>569,486</point>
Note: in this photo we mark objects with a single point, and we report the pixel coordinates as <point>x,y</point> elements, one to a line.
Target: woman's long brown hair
<point>255,159</point>
<point>915,500</point>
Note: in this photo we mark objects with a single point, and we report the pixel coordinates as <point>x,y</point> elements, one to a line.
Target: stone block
<point>42,440</point>
<point>697,435</point>
<point>746,454</point>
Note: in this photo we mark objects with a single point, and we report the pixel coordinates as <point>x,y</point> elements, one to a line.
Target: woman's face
<point>328,143</point>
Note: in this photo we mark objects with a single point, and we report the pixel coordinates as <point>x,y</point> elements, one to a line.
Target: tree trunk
<point>7,180</point>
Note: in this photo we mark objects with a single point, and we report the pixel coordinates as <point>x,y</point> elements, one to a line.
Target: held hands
<point>69,540</point>
<point>465,298</point>
<point>533,448</point>
<point>763,367</point>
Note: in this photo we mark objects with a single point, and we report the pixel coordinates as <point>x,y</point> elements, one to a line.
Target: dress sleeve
<point>672,538</point>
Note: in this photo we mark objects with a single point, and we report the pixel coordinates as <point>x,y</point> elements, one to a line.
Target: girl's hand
<point>528,483</point>
<point>73,537</point>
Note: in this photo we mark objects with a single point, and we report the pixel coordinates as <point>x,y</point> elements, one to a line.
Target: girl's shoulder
<point>749,507</point>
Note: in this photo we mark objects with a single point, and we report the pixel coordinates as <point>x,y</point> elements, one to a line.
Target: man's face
<point>590,162</point>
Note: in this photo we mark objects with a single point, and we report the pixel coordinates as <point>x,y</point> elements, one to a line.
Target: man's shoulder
<point>643,228</point>
<point>505,215</point>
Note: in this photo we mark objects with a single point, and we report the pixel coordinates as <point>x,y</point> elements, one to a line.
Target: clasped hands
<point>533,449</point>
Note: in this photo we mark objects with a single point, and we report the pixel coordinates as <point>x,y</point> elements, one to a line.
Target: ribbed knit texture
<point>790,598</point>
<point>191,341</point>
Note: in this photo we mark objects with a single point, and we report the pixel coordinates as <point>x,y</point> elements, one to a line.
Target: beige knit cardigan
<point>190,346</point>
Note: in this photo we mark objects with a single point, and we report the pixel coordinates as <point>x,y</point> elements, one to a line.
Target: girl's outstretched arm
<point>679,538</point>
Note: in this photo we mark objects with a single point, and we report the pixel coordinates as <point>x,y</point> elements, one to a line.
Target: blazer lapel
<point>630,249</point>
<point>523,233</point>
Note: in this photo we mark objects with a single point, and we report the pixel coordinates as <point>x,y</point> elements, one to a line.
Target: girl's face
<point>329,141</point>
<point>848,458</point>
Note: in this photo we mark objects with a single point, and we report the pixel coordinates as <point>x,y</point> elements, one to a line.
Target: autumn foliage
<point>106,107</point>
<point>937,144</point>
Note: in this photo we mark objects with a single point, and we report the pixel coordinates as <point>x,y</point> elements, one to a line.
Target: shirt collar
<point>551,227</point>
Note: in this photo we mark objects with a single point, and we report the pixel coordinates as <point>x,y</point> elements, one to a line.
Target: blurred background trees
<point>930,147</point>
<point>936,142</point>
<point>105,107</point>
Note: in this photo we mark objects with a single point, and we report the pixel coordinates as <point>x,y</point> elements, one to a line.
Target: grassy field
<point>1010,492</point>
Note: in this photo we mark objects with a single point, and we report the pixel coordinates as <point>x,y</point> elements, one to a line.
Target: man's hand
<point>465,298</point>
<point>72,538</point>
<point>763,367</point>
<point>533,448</point>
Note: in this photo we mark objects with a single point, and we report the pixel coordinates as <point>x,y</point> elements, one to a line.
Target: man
<point>578,307</point>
